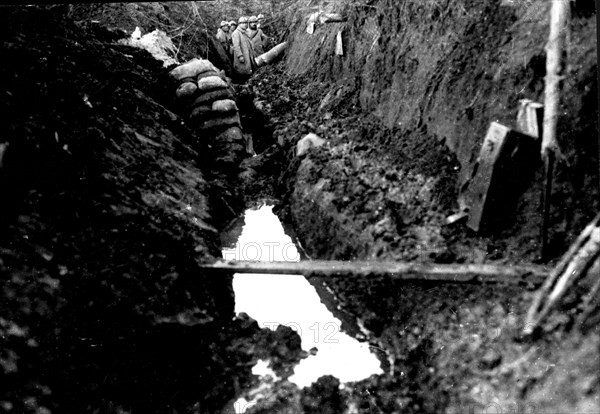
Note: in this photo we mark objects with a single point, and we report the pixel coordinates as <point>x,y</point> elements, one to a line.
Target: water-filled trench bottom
<point>291,300</point>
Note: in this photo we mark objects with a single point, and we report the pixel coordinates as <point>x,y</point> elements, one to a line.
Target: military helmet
<point>253,19</point>
<point>224,23</point>
<point>243,19</point>
<point>233,23</point>
<point>261,16</point>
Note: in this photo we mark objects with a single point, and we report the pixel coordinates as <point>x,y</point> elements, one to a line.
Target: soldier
<point>223,36</point>
<point>244,62</point>
<point>256,35</point>
<point>261,19</point>
<point>232,26</point>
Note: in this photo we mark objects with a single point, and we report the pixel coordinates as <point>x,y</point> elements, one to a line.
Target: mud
<point>401,139</point>
<point>444,348</point>
<point>110,203</point>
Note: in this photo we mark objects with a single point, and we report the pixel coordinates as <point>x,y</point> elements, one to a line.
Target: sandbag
<point>231,135</point>
<point>203,75</point>
<point>192,69</point>
<point>224,105</point>
<point>186,90</point>
<point>233,120</point>
<point>225,148</point>
<point>209,97</point>
<point>205,113</point>
<point>231,158</point>
<point>211,83</point>
<point>200,111</point>
<point>206,75</point>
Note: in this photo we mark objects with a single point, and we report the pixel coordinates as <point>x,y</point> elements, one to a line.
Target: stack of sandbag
<point>207,99</point>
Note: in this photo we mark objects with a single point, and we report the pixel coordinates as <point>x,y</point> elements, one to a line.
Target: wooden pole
<point>545,202</point>
<point>574,265</point>
<point>559,18</point>
<point>598,139</point>
<point>450,273</point>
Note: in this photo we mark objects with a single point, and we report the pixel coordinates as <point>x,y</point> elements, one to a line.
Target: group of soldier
<point>244,41</point>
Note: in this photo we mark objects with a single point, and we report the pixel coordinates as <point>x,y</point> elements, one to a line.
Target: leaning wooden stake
<point>450,273</point>
<point>576,264</point>
<point>559,18</point>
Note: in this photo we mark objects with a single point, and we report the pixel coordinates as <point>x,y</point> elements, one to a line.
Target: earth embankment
<point>110,204</point>
<point>443,71</point>
<point>404,111</point>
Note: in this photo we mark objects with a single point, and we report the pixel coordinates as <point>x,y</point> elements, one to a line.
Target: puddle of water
<point>291,300</point>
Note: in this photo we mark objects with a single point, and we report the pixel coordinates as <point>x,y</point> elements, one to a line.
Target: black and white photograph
<point>300,207</point>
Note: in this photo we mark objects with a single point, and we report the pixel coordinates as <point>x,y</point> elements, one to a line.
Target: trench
<point>376,345</point>
<point>140,344</point>
<point>414,347</point>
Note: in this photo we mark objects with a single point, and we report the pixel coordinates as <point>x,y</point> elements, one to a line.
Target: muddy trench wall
<point>451,67</point>
<point>110,204</point>
<point>441,71</point>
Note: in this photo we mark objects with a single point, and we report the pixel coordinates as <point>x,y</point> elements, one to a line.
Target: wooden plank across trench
<point>452,273</point>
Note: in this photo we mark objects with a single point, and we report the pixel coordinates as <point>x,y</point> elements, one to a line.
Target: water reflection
<point>290,300</point>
